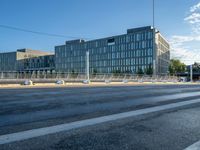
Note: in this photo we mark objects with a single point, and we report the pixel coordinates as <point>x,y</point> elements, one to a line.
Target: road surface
<point>35,108</point>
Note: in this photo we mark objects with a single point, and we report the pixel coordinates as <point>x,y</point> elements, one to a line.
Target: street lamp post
<point>87,66</point>
<point>191,73</point>
<point>154,36</point>
<point>153,13</point>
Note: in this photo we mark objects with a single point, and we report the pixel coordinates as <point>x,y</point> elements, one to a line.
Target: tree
<point>94,72</point>
<point>116,72</point>
<point>140,71</point>
<point>149,70</point>
<point>74,74</point>
<point>196,67</point>
<point>176,66</point>
<point>128,71</point>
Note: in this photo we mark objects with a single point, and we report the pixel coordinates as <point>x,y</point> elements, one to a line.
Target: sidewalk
<point>92,84</point>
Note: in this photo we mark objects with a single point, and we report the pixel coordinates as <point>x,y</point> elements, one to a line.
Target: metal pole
<point>153,13</point>
<point>87,66</point>
<point>154,66</point>
<point>191,73</point>
<point>1,75</point>
<point>154,40</point>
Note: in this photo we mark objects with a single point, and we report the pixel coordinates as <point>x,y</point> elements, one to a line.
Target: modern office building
<point>26,60</point>
<point>140,50</point>
<point>8,61</point>
<point>41,63</point>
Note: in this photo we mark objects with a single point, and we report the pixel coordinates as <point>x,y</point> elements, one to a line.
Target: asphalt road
<point>25,109</point>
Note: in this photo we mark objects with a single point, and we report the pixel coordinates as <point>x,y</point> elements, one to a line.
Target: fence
<point>79,77</point>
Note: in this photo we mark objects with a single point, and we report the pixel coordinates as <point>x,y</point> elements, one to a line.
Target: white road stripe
<point>195,146</point>
<point>24,135</point>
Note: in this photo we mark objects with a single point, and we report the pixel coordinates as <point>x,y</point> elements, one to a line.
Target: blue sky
<point>92,19</point>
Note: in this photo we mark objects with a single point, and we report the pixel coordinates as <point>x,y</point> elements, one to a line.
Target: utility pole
<point>154,46</point>
<point>87,66</point>
<point>191,73</point>
<point>1,75</point>
<point>153,13</point>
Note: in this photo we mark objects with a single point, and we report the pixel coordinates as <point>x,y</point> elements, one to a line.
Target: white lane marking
<point>24,135</point>
<point>195,146</point>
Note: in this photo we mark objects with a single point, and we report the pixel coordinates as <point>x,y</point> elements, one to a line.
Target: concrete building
<point>140,50</point>
<point>26,60</point>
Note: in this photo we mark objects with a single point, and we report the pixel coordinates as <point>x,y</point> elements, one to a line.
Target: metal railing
<point>79,77</point>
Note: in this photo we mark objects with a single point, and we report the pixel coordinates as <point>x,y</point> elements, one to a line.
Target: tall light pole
<point>154,36</point>
<point>191,73</point>
<point>153,13</point>
<point>87,66</point>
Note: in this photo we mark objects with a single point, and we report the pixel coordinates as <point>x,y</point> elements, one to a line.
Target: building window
<point>111,41</point>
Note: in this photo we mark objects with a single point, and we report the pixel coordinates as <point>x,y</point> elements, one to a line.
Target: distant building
<point>26,60</point>
<point>40,63</point>
<point>140,50</point>
<point>8,61</point>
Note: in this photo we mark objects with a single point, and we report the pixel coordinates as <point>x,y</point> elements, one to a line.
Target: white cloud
<point>182,39</point>
<point>182,49</point>
<point>195,7</point>
<point>193,18</point>
<point>181,46</point>
<point>184,54</point>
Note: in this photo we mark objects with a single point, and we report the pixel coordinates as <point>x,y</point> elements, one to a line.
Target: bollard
<point>60,82</point>
<point>125,81</point>
<point>86,82</point>
<point>28,82</point>
<point>107,81</point>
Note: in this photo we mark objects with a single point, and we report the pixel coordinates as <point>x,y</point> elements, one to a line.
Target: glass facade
<point>163,54</point>
<point>128,53</point>
<point>45,63</point>
<point>26,60</point>
<point>134,52</point>
<point>8,61</point>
